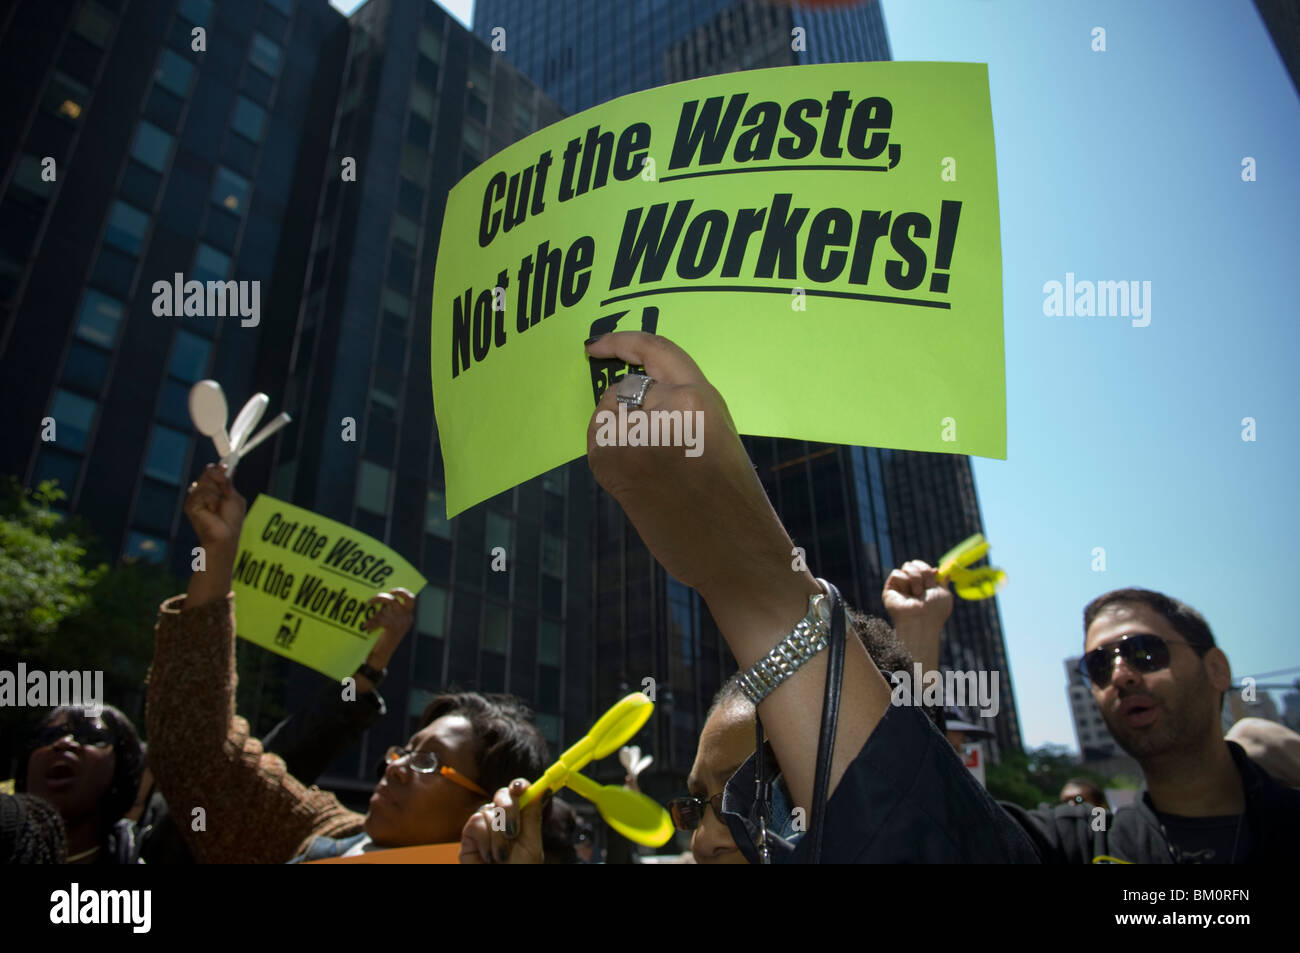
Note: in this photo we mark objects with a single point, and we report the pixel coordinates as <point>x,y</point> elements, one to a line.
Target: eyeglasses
<point>1144,651</point>
<point>426,762</point>
<point>86,734</point>
<point>688,812</point>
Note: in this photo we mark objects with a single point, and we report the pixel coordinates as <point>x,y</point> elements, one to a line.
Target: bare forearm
<point>753,620</point>
<point>213,582</point>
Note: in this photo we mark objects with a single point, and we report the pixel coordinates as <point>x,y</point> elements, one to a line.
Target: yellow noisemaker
<point>980,582</point>
<point>631,813</point>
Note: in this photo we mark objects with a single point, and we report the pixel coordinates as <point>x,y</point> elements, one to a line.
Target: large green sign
<point>823,240</point>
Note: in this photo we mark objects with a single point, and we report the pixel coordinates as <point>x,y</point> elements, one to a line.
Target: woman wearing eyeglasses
<point>236,804</point>
<point>88,767</point>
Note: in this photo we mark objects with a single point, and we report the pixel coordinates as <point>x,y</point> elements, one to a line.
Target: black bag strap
<point>761,816</point>
<point>830,719</point>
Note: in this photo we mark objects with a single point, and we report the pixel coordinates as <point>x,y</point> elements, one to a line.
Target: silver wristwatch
<point>807,639</point>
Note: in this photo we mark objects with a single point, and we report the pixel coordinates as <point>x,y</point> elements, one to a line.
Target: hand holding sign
<point>393,620</point>
<point>676,502</point>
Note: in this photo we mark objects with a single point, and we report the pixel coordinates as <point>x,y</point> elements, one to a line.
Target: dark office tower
<point>1282,17</point>
<point>149,138</point>
<point>857,512</point>
<point>422,102</point>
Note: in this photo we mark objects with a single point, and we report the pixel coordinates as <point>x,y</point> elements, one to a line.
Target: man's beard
<point>1179,729</point>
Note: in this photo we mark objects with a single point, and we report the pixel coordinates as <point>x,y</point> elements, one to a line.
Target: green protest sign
<point>302,583</point>
<point>823,241</point>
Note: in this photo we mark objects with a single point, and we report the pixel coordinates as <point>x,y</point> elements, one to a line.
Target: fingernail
<point>593,339</point>
<point>512,828</point>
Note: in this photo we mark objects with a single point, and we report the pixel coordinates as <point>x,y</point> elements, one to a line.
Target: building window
<point>65,97</point>
<point>126,228</point>
<point>372,487</point>
<point>189,357</point>
<point>548,643</point>
<point>143,546</point>
<point>552,555</point>
<point>414,162</point>
<point>496,621</point>
<point>476,107</point>
<point>99,318</point>
<point>229,190</point>
<point>430,44</point>
<point>264,54</point>
<point>174,73</point>
<point>422,102</point>
<point>166,458</point>
<point>431,612</point>
<point>435,516</point>
<point>151,146</point>
<point>94,23</point>
<point>198,12</point>
<point>86,367</point>
<point>28,177</point>
<point>406,234</point>
<point>498,531</point>
<point>384,390</point>
<point>249,119</point>
<point>210,264</point>
<point>472,136</point>
<point>72,419</point>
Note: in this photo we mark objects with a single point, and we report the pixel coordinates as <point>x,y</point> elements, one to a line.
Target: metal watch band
<point>791,653</point>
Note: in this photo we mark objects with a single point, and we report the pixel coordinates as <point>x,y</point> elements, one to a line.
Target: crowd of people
<point>885,782</point>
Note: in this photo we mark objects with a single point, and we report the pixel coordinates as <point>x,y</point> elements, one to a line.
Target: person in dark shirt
<point>1158,679</point>
<point>897,791</point>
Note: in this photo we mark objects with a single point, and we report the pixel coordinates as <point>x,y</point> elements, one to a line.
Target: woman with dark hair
<point>235,803</point>
<point>88,767</point>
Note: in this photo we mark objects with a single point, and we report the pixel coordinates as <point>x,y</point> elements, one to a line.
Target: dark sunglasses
<point>688,812</point>
<point>1144,652</point>
<point>87,734</point>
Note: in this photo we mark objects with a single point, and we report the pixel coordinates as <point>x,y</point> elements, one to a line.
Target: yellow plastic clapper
<point>980,582</point>
<point>631,813</point>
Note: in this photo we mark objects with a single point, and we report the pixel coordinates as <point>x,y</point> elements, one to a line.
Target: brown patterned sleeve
<point>203,757</point>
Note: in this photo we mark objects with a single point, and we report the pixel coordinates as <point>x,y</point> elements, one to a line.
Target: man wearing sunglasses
<point>1159,680</point>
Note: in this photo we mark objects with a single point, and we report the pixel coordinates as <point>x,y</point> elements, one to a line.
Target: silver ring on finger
<point>631,389</point>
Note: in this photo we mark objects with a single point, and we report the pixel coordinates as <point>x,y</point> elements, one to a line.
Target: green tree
<point>44,576</point>
<point>63,608</point>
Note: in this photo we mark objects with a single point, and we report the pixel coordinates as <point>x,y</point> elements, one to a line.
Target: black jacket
<point>1064,834</point>
<point>906,798</point>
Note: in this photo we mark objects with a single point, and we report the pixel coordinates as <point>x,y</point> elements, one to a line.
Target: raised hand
<point>914,593</point>
<point>215,509</point>
<point>396,612</point>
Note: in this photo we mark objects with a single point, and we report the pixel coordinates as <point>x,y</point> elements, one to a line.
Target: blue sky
<point>1126,165</point>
